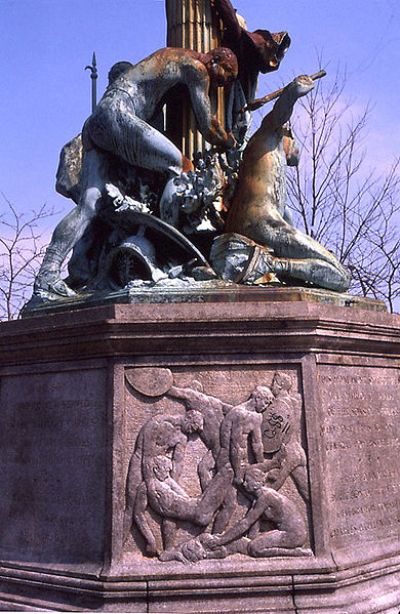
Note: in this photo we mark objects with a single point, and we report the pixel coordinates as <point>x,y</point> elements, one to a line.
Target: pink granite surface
<point>73,406</point>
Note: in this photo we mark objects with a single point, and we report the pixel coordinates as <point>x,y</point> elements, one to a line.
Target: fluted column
<point>190,25</point>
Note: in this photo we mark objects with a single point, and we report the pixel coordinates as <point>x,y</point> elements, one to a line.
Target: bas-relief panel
<point>215,464</point>
<point>361,435</point>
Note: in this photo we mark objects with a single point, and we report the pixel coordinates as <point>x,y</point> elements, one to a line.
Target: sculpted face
<point>253,480</point>
<point>281,381</point>
<point>222,66</point>
<point>271,48</point>
<point>193,422</point>
<point>262,397</point>
<point>162,467</point>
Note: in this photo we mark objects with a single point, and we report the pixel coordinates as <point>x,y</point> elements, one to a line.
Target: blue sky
<point>45,45</point>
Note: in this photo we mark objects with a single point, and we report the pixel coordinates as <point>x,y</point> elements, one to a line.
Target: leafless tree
<point>336,198</point>
<point>22,245</point>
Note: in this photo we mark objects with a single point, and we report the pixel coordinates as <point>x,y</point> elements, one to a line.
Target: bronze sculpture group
<point>218,222</point>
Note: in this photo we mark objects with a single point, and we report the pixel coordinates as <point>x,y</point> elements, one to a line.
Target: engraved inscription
<point>361,436</point>
<point>54,457</point>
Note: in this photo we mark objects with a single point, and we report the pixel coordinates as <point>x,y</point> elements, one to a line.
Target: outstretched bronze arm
<point>253,105</point>
<point>227,13</point>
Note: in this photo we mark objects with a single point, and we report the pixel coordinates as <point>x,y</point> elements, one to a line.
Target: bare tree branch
<point>338,201</point>
<point>22,246</point>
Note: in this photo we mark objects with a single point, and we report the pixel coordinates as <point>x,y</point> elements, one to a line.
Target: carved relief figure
<point>121,126</point>
<point>283,418</point>
<point>213,411</point>
<point>258,211</point>
<point>163,494</point>
<point>287,536</point>
<point>160,436</point>
<point>241,443</point>
<point>251,450</point>
<point>240,436</point>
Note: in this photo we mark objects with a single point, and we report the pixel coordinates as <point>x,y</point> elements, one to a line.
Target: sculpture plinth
<point>82,390</point>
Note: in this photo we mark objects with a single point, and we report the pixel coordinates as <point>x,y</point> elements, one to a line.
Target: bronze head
<point>270,48</point>
<point>222,65</point>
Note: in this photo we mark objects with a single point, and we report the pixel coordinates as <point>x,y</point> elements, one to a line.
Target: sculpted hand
<point>210,541</point>
<point>303,84</point>
<point>281,455</point>
<point>151,548</point>
<point>219,138</point>
<point>237,481</point>
<point>231,142</point>
<point>273,476</point>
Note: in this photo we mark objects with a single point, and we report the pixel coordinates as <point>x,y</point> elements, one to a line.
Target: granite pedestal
<point>73,407</point>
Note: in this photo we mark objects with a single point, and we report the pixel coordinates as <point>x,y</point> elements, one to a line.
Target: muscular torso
<point>236,428</point>
<point>167,498</point>
<point>146,83</point>
<point>260,194</point>
<point>278,509</point>
<point>159,436</point>
<point>245,422</point>
<point>213,416</point>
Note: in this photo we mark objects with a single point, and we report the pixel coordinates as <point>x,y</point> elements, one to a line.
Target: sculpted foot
<point>52,284</point>
<point>151,549</point>
<point>174,554</point>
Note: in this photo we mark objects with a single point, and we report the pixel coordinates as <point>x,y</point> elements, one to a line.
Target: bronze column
<point>190,24</point>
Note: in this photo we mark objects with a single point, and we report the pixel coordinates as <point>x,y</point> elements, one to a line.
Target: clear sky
<point>45,45</point>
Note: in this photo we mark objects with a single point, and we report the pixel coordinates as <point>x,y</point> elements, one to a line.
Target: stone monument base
<point>86,393</point>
